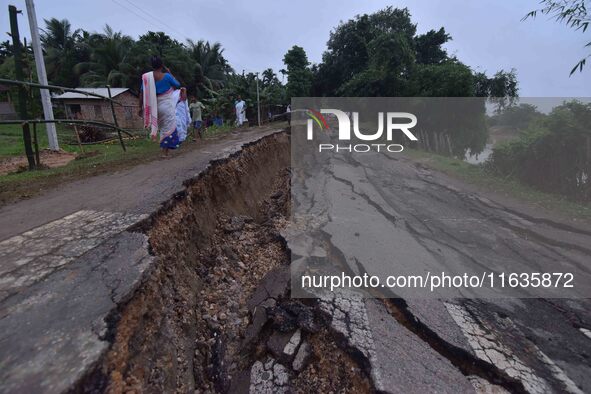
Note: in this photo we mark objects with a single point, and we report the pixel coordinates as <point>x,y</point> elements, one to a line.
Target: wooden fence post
<point>115,118</point>
<point>22,95</point>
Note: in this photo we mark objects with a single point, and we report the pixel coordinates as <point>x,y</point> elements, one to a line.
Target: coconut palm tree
<point>62,51</point>
<point>109,62</point>
<point>211,67</point>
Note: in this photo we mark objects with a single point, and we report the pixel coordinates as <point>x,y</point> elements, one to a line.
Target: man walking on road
<point>196,109</point>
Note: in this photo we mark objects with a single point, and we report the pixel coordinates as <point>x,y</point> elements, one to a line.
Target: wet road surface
<point>392,215</point>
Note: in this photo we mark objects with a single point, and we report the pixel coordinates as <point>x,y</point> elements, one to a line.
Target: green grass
<point>97,159</point>
<point>11,139</point>
<point>478,175</point>
<point>12,144</point>
<point>214,131</point>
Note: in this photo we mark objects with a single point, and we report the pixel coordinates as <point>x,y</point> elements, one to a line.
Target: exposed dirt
<point>161,327</point>
<point>331,370</point>
<point>49,159</point>
<point>215,313</point>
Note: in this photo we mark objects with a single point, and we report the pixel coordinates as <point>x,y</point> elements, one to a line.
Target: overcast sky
<point>487,35</point>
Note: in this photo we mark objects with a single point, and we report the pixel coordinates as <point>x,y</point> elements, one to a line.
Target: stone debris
<point>303,245</point>
<point>236,223</point>
<point>269,377</point>
<point>483,386</point>
<point>302,357</point>
<point>291,314</point>
<point>274,285</point>
<point>283,345</point>
<point>349,318</point>
<point>293,343</point>
<point>242,282</point>
<point>253,331</point>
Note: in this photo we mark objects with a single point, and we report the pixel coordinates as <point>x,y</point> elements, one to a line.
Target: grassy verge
<point>98,159</point>
<point>11,139</point>
<point>216,131</point>
<point>479,176</point>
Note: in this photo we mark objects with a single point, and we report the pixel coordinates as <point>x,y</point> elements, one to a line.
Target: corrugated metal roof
<point>102,91</point>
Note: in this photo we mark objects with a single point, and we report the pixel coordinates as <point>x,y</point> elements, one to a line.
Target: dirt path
<point>137,190</point>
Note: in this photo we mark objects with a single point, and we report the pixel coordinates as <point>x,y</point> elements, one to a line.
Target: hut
<point>81,106</point>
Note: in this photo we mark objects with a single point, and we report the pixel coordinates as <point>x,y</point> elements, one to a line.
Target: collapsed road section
<point>193,297</point>
<point>196,297</point>
<point>214,314</point>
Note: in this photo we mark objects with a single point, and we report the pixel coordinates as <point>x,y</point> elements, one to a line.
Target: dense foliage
<point>378,54</point>
<point>77,58</point>
<point>381,54</point>
<point>552,153</point>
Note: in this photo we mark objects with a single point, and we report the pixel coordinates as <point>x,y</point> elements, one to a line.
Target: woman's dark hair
<point>156,62</point>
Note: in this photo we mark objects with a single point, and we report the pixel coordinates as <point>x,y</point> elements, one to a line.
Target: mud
<point>49,159</point>
<point>215,309</point>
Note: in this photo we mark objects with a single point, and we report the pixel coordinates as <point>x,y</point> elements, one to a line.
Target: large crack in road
<point>217,315</point>
<point>215,311</point>
<point>497,343</point>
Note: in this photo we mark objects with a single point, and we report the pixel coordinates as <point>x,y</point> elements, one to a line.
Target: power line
<point>132,11</point>
<point>143,18</point>
<point>154,17</point>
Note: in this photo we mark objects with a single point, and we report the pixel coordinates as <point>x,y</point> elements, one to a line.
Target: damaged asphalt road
<point>196,296</point>
<point>407,218</point>
<point>69,261</point>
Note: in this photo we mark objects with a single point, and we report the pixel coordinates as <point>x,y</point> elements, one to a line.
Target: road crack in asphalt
<point>488,346</point>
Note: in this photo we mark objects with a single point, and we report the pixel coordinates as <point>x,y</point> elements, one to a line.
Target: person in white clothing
<point>183,116</point>
<point>288,114</point>
<point>240,111</point>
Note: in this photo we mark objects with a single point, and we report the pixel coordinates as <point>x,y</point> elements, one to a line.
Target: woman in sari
<point>159,108</point>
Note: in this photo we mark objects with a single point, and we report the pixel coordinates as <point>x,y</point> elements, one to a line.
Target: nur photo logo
<point>348,128</point>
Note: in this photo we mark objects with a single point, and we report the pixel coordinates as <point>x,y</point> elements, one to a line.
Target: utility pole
<point>258,102</point>
<point>42,76</point>
<point>22,95</point>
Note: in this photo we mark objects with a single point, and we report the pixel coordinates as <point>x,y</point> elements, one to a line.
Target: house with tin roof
<point>80,106</point>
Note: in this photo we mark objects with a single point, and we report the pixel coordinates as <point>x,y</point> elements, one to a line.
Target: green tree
<point>109,60</point>
<point>159,40</point>
<point>5,51</point>
<point>211,67</point>
<point>365,54</point>
<point>517,116</point>
<point>449,79</point>
<point>428,47</point>
<point>380,54</point>
<point>298,72</point>
<point>61,45</point>
<point>553,153</point>
<point>502,88</point>
<point>272,91</point>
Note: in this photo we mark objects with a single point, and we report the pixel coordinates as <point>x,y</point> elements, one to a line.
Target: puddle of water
<point>480,157</point>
